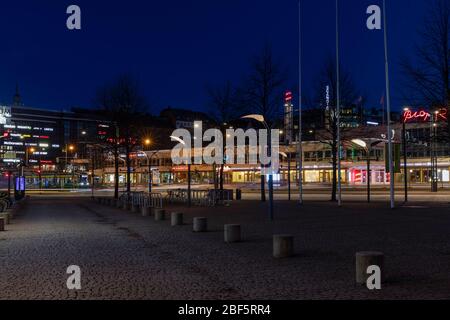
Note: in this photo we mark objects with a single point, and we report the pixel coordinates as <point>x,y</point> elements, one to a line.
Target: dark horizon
<point>175,54</point>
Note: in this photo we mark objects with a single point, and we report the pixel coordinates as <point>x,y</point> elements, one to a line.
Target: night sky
<point>176,48</point>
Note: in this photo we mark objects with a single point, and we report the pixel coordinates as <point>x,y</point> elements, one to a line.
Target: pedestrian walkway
<point>126,256</point>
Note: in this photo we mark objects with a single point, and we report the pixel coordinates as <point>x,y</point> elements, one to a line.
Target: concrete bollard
<point>6,217</point>
<point>366,259</point>
<point>200,224</point>
<point>146,211</point>
<point>160,215</point>
<point>2,224</point>
<point>283,246</point>
<point>135,208</point>
<point>232,233</point>
<point>124,205</point>
<point>119,204</point>
<point>176,219</point>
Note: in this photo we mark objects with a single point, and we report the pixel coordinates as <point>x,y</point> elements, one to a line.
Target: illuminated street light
<point>260,118</point>
<point>367,146</point>
<point>360,143</point>
<point>177,139</point>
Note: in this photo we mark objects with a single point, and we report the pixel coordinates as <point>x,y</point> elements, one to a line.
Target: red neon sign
<point>422,115</point>
<point>288,96</point>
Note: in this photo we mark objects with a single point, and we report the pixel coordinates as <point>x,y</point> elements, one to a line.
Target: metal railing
<point>143,199</point>
<point>201,197</point>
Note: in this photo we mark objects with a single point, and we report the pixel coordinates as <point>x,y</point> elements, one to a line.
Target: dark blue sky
<point>175,48</point>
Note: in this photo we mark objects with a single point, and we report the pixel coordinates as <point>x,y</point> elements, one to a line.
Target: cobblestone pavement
<point>126,256</point>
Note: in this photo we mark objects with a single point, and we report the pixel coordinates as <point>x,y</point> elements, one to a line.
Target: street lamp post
<point>147,142</point>
<point>405,168</point>
<point>261,119</point>
<point>434,164</point>
<point>189,170</point>
<point>189,185</point>
<point>367,146</point>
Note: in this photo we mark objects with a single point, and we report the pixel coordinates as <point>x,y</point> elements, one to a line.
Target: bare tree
<point>428,74</point>
<point>223,109</point>
<point>327,101</point>
<point>264,88</point>
<point>124,104</point>
<point>263,91</point>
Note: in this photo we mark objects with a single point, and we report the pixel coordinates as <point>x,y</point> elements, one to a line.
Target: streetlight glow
<point>360,143</point>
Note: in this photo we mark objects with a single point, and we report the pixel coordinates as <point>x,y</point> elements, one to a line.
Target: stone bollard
<point>124,205</point>
<point>283,246</point>
<point>6,217</point>
<point>135,208</point>
<point>200,224</point>
<point>365,260</point>
<point>2,224</point>
<point>119,204</point>
<point>232,233</point>
<point>176,219</point>
<point>160,215</point>
<point>146,211</point>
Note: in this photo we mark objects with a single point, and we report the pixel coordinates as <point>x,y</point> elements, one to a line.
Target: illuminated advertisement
<point>5,115</point>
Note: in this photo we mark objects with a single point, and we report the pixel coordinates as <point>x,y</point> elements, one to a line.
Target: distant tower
<point>288,117</point>
<point>17,100</point>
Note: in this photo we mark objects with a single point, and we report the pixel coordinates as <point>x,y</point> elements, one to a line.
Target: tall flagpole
<point>300,127</point>
<point>388,107</point>
<point>338,107</point>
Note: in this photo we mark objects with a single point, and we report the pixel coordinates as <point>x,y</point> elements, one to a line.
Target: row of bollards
<point>283,244</point>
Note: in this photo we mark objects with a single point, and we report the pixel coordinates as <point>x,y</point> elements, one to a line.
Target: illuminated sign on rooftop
<point>423,116</point>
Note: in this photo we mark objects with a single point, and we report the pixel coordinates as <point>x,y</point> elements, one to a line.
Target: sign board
<point>5,115</point>
<point>20,184</point>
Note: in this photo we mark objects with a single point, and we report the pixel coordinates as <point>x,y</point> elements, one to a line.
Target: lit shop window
<point>48,129</point>
<point>43,145</point>
<point>11,143</point>
<point>24,127</point>
<point>9,126</point>
<point>11,160</point>
<point>55,145</point>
